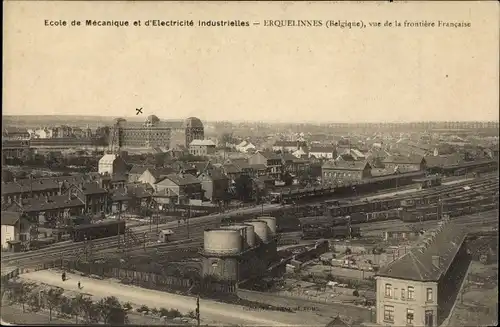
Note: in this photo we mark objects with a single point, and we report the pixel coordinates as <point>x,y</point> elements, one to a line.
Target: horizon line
<point>261,121</point>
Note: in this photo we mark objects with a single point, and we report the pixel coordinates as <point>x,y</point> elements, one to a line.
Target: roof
<point>286,143</point>
<point>160,172</point>
<point>289,157</point>
<point>337,322</point>
<point>10,218</point>
<point>411,159</point>
<point>215,174</point>
<point>193,122</point>
<point>418,263</point>
<point>270,155</point>
<point>322,149</point>
<point>50,203</point>
<point>346,165</point>
<point>108,159</point>
<point>258,167</point>
<point>27,184</point>
<point>182,179</point>
<point>120,194</point>
<point>241,163</point>
<point>136,169</point>
<point>139,190</point>
<point>91,188</point>
<point>231,169</point>
<point>202,143</point>
<point>444,161</point>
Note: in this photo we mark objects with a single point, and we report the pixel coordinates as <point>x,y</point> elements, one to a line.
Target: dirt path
<point>211,311</point>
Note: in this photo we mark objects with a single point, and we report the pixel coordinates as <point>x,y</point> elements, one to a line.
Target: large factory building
<point>237,252</point>
<point>154,133</point>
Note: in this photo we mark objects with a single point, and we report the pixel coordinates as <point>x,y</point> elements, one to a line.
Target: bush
<point>173,313</point>
<point>155,311</point>
<point>143,309</point>
<point>355,293</point>
<point>127,306</point>
<point>191,314</point>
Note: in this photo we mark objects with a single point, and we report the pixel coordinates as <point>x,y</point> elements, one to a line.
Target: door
<point>429,318</point>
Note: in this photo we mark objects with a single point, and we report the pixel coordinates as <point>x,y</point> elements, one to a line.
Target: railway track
<point>150,231</point>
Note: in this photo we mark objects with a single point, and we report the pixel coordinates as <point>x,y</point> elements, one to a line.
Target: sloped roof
<point>411,159</point>
<point>202,143</point>
<point>417,264</point>
<point>136,169</point>
<point>184,179</point>
<point>241,163</point>
<point>286,143</point>
<point>215,174</point>
<point>231,169</point>
<point>346,165</point>
<point>270,155</point>
<point>337,322</point>
<point>54,202</point>
<point>322,149</point>
<point>10,218</point>
<point>160,172</point>
<point>444,161</point>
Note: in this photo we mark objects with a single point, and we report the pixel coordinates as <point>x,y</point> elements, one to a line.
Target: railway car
<point>330,232</point>
<point>99,230</point>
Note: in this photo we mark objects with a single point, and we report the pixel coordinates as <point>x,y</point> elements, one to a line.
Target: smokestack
<point>435,260</point>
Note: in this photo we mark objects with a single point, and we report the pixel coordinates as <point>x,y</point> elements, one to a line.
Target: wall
<point>419,304</point>
<point>257,159</point>
<point>8,234</point>
<point>223,268</point>
<point>148,178</point>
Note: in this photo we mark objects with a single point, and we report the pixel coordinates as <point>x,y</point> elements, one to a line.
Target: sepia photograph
<point>250,163</point>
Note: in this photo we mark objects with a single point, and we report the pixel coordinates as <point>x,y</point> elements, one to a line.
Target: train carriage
<point>98,230</point>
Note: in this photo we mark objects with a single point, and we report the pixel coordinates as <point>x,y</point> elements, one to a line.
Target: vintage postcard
<point>250,163</point>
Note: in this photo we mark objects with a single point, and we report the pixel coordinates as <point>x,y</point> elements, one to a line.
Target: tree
<point>112,311</point>
<point>287,178</point>
<point>77,308</point>
<point>244,187</point>
<point>54,299</point>
<point>21,292</point>
<point>90,311</point>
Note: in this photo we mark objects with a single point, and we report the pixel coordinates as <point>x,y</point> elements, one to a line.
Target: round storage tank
<point>260,228</point>
<point>242,231</point>
<point>249,231</point>
<point>222,241</point>
<point>271,224</point>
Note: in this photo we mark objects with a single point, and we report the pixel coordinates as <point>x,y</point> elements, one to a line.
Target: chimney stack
<point>435,260</point>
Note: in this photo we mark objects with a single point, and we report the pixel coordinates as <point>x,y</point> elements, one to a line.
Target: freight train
<point>339,232</point>
<point>81,233</point>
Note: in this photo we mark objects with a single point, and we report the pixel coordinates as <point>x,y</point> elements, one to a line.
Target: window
<point>429,295</point>
<point>411,292</point>
<point>388,290</point>
<point>402,294</point>
<point>409,316</point>
<point>429,318</point>
<point>388,313</point>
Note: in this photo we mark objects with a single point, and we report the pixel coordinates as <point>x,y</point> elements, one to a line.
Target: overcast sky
<point>253,73</point>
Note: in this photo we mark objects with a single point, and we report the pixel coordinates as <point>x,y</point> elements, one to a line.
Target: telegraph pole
<point>198,311</point>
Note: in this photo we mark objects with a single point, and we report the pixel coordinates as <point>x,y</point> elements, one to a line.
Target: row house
<point>286,146</point>
<point>270,160</point>
<point>179,188</point>
<point>95,198</point>
<point>420,287</point>
<point>322,152</point>
<point>293,165</point>
<point>345,171</point>
<point>406,163</point>
<point>14,133</point>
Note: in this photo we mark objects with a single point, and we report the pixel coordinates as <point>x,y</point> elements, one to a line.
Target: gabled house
<point>202,147</point>
<point>179,188</point>
<point>270,160</point>
<point>407,163</point>
<point>231,171</point>
<point>136,171</point>
<point>243,166</point>
<point>153,175</point>
<point>15,229</point>
<point>345,171</point>
<point>95,198</point>
<point>215,185</point>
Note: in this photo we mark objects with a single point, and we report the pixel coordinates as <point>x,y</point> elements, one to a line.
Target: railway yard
<point>339,280</point>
